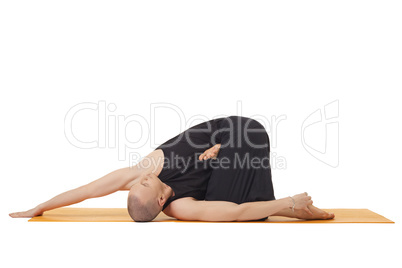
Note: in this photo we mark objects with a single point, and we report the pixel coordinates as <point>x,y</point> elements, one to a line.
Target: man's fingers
<point>203,156</point>
<point>308,211</point>
<point>210,153</point>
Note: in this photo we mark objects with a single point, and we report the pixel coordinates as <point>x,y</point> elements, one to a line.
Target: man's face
<point>148,187</point>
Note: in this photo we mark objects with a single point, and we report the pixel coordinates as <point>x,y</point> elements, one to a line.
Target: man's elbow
<point>241,213</point>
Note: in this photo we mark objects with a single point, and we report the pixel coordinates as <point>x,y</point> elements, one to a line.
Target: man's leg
<point>235,177</point>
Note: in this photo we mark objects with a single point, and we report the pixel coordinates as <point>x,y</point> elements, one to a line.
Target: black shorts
<point>242,172</point>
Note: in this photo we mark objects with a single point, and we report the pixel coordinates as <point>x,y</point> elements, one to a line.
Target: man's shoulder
<point>178,206</point>
<point>184,201</point>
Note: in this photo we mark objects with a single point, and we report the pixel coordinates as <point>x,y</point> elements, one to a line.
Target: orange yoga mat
<point>71,214</point>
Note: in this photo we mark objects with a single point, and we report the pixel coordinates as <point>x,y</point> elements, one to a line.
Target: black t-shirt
<point>244,146</point>
<point>182,171</point>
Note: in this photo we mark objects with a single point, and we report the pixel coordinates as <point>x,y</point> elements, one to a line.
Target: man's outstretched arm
<point>110,183</point>
<point>191,209</point>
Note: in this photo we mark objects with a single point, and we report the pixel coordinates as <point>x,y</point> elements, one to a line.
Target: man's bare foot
<point>318,214</point>
<point>26,214</point>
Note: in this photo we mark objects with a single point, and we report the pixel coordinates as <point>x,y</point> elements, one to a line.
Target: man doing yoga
<point>215,171</point>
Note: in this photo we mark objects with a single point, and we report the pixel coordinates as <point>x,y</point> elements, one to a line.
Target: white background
<point>275,58</point>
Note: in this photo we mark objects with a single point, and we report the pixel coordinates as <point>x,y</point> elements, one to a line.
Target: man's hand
<point>302,201</point>
<point>210,153</point>
<point>26,214</point>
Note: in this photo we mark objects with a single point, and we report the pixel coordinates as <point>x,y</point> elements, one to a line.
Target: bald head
<point>147,197</point>
<point>142,210</point>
